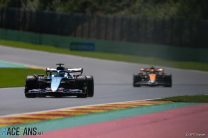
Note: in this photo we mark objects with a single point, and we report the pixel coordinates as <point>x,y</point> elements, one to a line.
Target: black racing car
<point>152,77</point>
<point>60,82</point>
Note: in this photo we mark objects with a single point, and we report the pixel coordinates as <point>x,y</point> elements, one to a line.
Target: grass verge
<point>192,99</point>
<point>111,56</point>
<point>15,77</point>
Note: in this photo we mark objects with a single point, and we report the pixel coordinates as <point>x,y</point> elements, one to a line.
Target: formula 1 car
<point>152,77</point>
<point>60,82</point>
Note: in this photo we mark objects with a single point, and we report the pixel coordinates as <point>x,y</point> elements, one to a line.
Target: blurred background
<point>171,29</point>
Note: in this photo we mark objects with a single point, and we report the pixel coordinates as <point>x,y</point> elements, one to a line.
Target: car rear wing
<point>75,70</point>
<point>71,70</point>
<point>50,69</point>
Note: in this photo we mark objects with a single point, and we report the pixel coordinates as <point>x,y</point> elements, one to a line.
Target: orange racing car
<point>152,77</point>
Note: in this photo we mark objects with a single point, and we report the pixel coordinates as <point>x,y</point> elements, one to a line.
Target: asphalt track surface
<point>113,82</point>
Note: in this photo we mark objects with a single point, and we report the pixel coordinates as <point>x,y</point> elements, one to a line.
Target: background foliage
<point>191,9</point>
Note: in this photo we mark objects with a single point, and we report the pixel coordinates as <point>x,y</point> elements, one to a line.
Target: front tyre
<point>31,82</point>
<point>30,95</point>
<point>90,86</point>
<point>168,81</point>
<point>82,95</point>
<point>136,80</point>
<point>82,84</point>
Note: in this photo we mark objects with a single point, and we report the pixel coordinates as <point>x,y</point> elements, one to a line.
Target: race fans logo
<point>20,131</point>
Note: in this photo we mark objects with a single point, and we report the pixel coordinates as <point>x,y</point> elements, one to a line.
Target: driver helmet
<point>152,69</point>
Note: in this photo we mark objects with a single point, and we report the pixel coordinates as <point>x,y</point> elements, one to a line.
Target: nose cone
<point>152,77</point>
<point>55,82</point>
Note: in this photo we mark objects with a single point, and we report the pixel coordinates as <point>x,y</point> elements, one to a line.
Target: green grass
<point>193,98</point>
<point>111,56</point>
<point>15,77</point>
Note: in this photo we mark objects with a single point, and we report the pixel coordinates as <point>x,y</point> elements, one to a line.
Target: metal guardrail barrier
<point>128,48</point>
